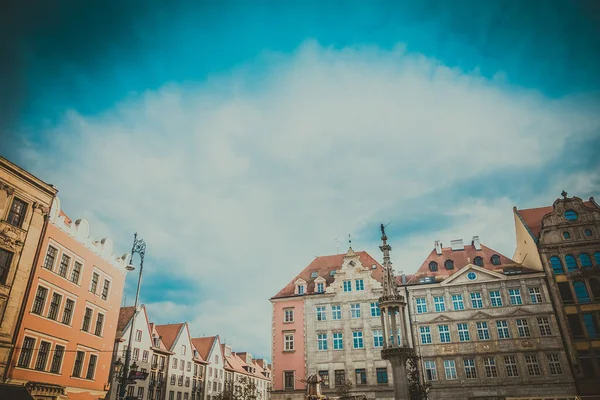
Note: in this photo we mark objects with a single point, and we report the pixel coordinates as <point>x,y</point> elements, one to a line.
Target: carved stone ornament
<point>43,209</point>
<point>8,189</point>
<point>527,344</point>
<point>10,238</point>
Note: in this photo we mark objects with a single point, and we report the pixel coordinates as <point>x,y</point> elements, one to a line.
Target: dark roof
<point>125,315</point>
<point>533,217</point>
<point>14,392</point>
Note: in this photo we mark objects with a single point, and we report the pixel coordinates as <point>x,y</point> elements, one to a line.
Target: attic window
<point>566,235</point>
<point>570,215</point>
<point>478,261</point>
<point>352,263</point>
<point>332,273</point>
<point>433,266</point>
<point>495,259</point>
<point>313,275</point>
<point>449,264</point>
<point>374,266</point>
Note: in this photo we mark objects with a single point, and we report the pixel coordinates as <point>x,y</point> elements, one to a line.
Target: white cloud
<point>238,183</point>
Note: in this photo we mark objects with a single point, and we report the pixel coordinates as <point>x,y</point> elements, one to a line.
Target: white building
<point>180,373</point>
<point>209,349</point>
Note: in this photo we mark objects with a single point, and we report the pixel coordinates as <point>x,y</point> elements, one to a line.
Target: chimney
<point>476,243</point>
<point>403,279</point>
<point>457,244</point>
<point>438,247</point>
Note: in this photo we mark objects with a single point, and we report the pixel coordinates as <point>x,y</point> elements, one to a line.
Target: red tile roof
<point>203,345</point>
<point>323,266</point>
<point>125,315</point>
<point>533,217</point>
<point>169,333</point>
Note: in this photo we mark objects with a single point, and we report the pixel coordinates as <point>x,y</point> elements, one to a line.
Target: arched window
<point>595,288</point>
<point>571,263</point>
<point>570,215</point>
<point>581,292</point>
<point>478,261</point>
<point>597,258</point>
<point>556,265</point>
<point>433,266</point>
<point>585,260</point>
<point>495,259</point>
<point>449,264</point>
<point>587,232</point>
<point>566,235</point>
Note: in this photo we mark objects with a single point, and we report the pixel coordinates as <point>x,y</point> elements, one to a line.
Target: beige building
<point>485,327</point>
<point>25,203</point>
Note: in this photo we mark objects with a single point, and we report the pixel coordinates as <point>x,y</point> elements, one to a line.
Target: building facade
<point>25,203</point>
<point>485,327</point>
<point>177,340</point>
<point>65,340</point>
<point>243,365</point>
<point>210,349</point>
<point>563,241</point>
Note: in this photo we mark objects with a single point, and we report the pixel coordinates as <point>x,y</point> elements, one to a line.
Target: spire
<point>389,282</point>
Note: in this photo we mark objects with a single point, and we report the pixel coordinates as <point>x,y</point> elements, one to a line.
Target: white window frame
<point>288,341</point>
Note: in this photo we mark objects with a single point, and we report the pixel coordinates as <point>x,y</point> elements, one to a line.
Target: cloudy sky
<point>242,139</point>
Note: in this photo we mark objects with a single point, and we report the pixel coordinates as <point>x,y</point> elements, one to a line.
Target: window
<point>581,292</point>
<point>590,325</point>
<point>77,366</point>
<point>288,315</point>
<point>300,289</point>
<point>173,380</point>
<point>289,380</point>
<point>99,323</point>
<point>94,285</point>
<point>40,300</point>
<point>566,295</point>
<point>68,312</point>
<point>476,301</point>
<point>535,294</point>
<point>570,215</point>
<point>425,334</point>
<point>457,302</point>
<point>87,319</point>
<point>54,305</point>
<point>321,313</point>
<point>571,263</point>
<point>439,304</point>
<point>138,337</point>
<point>595,288</point>
<point>478,261</point>
<point>495,259</point>
<point>523,328</point>
<point>140,394</point>
<point>361,376</point>
<point>566,235</point>
<point>357,340</point>
<point>325,377</point>
<point>421,305</point>
<point>585,260</point>
<point>375,311</point>
<point>360,284</point>
<point>322,341</point>
<point>483,333</point>
<point>495,298</point>
<point>433,266</point>
<point>470,371</point>
<point>336,312</point>
<point>320,287</point>
<point>42,356</point>
<point>556,265</point>
<point>314,274</point>
<point>136,354</point>
<point>471,276</point>
<point>503,332</point>
<point>338,342</point>
<point>355,310</point>
<point>382,377</point>
<point>510,362</point>
<point>463,333</point>
<point>490,367</point>
<point>554,364</point>
<point>288,340</point>
<point>187,381</point>
<point>575,326</point>
<point>182,363</point>
<point>430,371</point>
<point>377,338</point>
<point>57,359</point>
<point>92,367</point>
<point>444,332</point>
<point>189,364</point>
<point>50,257</point>
<point>76,272</point>
<point>340,377</point>
<point>64,265</point>
<point>5,260</point>
<point>26,352</point>
<point>515,297</point>
<point>533,368</point>
<point>450,369</point>
<point>347,286</point>
<point>16,215</point>
<point>105,289</point>
<point>449,264</point>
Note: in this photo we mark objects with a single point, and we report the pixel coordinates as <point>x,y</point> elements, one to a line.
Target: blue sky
<point>240,139</point>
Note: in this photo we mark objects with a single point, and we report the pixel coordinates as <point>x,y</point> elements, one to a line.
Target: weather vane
<point>350,240</point>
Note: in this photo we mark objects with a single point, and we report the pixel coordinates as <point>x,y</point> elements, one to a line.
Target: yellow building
<point>563,240</point>
<point>24,206</point>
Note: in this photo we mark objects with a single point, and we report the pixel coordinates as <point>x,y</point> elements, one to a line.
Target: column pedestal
<point>397,357</point>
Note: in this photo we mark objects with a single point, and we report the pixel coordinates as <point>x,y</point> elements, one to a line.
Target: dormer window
<point>332,273</point>
<point>320,287</point>
<point>570,215</point>
<point>433,266</point>
<point>478,261</point>
<point>566,235</point>
<point>449,264</point>
<point>314,274</point>
<point>300,289</point>
<point>495,259</point>
<point>300,286</point>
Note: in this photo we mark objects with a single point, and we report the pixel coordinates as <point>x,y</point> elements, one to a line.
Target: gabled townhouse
<point>209,349</point>
<point>158,367</point>
<point>177,340</point>
<point>198,374</point>
<point>243,365</point>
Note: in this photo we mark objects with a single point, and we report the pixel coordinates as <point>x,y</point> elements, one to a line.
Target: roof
<point>204,345</point>
<point>125,315</point>
<point>323,266</point>
<point>14,392</point>
<point>533,217</point>
<point>169,333</point>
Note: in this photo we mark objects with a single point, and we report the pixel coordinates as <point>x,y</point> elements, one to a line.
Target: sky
<point>242,139</point>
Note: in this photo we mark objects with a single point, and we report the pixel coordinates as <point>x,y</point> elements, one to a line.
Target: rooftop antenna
<point>350,240</point>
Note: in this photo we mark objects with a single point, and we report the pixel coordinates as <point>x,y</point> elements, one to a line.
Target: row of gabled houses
<point>177,366</point>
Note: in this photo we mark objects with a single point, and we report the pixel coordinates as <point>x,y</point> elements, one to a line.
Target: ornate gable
<point>473,274</point>
<point>352,269</point>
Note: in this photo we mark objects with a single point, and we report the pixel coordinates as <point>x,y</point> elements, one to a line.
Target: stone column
<point>394,327</point>
<point>401,391</point>
<point>384,328</point>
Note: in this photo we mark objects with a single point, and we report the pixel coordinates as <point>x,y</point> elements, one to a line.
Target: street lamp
<point>139,247</point>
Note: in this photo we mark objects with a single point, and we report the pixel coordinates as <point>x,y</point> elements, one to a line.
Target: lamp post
<point>139,247</point>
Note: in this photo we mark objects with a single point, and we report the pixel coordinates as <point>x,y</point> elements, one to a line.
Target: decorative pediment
<point>520,312</point>
<point>442,318</point>
<point>320,279</point>
<point>473,274</point>
<point>481,315</point>
<point>300,282</point>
